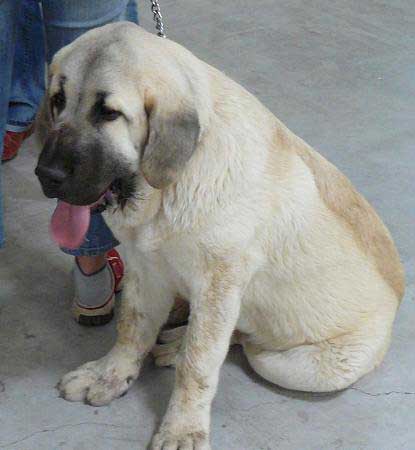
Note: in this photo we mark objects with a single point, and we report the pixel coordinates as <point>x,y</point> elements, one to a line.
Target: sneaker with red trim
<point>12,143</point>
<point>94,299</point>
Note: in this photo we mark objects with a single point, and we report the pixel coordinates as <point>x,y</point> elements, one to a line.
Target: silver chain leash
<point>158,18</point>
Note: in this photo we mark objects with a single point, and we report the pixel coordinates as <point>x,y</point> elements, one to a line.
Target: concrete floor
<point>341,75</point>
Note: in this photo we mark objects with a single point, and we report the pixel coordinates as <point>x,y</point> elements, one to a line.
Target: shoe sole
<point>92,317</point>
<point>6,160</point>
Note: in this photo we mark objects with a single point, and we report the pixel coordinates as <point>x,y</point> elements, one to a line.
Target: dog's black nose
<point>50,175</point>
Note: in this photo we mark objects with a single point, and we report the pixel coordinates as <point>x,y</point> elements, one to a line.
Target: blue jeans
<point>31,32</point>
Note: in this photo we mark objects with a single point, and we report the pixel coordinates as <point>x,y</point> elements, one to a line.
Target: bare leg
<point>91,264</point>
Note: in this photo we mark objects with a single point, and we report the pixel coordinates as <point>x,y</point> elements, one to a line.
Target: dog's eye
<point>110,114</point>
<point>59,101</point>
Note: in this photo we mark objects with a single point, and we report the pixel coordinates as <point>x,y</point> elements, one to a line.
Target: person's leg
<point>131,12</point>
<point>28,78</point>
<point>64,22</point>
<point>9,13</point>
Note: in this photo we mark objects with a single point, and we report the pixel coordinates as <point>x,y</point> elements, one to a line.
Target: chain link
<point>158,18</point>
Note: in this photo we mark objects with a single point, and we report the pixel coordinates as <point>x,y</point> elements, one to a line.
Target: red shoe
<point>117,267</point>
<point>12,142</point>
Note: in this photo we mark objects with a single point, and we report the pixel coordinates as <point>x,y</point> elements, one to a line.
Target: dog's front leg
<point>145,307</point>
<point>214,314</point>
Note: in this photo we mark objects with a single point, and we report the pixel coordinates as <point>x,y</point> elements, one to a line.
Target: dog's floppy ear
<point>173,134</point>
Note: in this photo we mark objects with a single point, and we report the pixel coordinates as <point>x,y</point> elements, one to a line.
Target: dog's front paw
<point>166,440</point>
<point>99,382</point>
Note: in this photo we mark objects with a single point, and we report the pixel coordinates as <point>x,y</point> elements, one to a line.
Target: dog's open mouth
<point>70,223</point>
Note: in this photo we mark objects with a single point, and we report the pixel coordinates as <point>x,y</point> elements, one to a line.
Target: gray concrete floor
<point>341,75</point>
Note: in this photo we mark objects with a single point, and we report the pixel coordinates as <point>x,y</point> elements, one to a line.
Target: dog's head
<point>120,112</point>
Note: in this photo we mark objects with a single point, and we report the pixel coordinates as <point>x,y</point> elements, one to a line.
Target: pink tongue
<point>69,224</point>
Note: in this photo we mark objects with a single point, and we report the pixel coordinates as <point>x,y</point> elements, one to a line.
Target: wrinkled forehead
<point>82,67</point>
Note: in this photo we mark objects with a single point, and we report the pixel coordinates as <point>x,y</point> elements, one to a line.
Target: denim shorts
<point>98,240</point>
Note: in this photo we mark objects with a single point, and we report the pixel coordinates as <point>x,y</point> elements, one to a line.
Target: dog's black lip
<point>50,192</point>
<point>64,198</point>
<point>124,188</point>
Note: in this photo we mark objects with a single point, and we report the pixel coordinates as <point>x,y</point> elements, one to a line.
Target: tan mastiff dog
<point>218,202</point>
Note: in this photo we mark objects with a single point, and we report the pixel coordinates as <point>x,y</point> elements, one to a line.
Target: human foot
<point>97,280</point>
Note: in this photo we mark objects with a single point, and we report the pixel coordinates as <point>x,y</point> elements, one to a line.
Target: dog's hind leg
<point>326,366</point>
<point>168,346</point>
<point>171,336</point>
<point>169,343</point>
<point>179,314</point>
